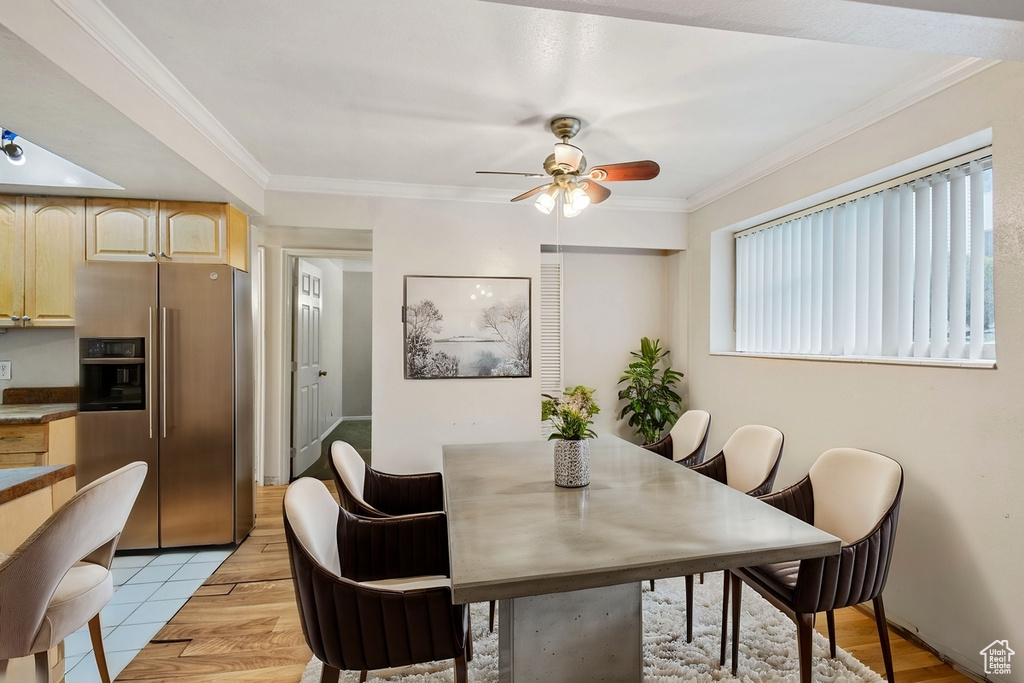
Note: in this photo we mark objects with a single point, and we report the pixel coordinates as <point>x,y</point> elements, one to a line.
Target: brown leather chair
<point>687,442</point>
<point>367,492</point>
<point>748,462</point>
<point>855,495</point>
<point>364,491</point>
<point>363,608</point>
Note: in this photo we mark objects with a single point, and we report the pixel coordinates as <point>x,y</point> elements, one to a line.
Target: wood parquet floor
<point>243,624</point>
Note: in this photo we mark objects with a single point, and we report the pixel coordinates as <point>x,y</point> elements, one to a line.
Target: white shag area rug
<point>768,649</point>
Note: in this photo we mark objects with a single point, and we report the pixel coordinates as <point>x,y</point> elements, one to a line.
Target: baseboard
<point>356,417</point>
<point>330,429</point>
<point>912,637</point>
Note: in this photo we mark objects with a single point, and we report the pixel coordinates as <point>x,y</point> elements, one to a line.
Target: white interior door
<point>306,371</point>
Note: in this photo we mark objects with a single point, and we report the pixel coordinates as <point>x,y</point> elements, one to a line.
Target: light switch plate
<point>5,369</point>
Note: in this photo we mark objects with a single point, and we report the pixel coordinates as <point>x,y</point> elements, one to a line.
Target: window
<point>902,270</point>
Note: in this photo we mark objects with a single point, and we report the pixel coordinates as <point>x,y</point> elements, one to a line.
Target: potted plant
<point>651,400</point>
<point>571,414</point>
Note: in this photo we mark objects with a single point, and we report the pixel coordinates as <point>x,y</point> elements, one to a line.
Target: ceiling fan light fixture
<point>567,209</point>
<point>546,202</point>
<point>578,198</point>
<point>567,156</point>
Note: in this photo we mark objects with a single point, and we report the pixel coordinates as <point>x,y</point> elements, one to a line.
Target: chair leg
<point>460,669</point>
<point>42,667</point>
<point>469,645</point>
<point>737,594</point>
<point>727,576</point>
<point>330,674</point>
<point>702,578</point>
<point>96,635</point>
<point>883,638</point>
<point>830,615</point>
<point>652,584</point>
<point>491,620</point>
<point>804,634</point>
<point>362,676</point>
<point>689,608</point>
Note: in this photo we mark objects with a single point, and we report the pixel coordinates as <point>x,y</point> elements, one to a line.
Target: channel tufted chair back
<point>372,593</point>
<point>853,494</point>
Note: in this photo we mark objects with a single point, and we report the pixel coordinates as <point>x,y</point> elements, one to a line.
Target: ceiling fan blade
<point>530,193</point>
<point>525,175</point>
<point>597,193</point>
<point>631,170</point>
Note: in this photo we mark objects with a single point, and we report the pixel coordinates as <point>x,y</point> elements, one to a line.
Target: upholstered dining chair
<point>367,492</point>
<point>748,462</point>
<point>59,579</point>
<point>687,441</point>
<point>850,493</point>
<point>363,608</point>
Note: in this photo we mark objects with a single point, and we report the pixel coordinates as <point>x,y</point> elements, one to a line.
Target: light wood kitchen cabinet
<point>167,232</point>
<point>121,230</point>
<point>41,240</point>
<point>46,443</point>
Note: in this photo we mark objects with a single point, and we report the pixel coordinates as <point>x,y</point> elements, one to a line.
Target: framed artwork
<point>466,327</point>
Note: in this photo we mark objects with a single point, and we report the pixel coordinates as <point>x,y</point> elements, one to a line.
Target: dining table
<point>566,564</point>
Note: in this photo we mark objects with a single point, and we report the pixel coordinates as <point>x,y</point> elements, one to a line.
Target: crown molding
<point>364,188</point>
<point>870,113</point>
<point>93,17</point>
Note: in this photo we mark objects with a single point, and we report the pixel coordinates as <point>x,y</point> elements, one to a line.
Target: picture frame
<point>465,327</point>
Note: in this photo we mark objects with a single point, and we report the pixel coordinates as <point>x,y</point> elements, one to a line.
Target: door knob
<point>25,318</point>
<point>15,318</point>
<point>322,373</point>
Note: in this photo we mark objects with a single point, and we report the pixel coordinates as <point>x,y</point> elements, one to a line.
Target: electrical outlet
<point>5,369</point>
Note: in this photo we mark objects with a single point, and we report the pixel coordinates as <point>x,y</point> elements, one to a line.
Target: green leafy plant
<point>570,413</point>
<point>652,403</point>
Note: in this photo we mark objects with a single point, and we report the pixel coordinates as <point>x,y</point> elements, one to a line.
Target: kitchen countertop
<point>21,481</point>
<point>35,413</point>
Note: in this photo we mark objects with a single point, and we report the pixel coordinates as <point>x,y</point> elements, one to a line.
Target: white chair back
<point>853,489</point>
<point>313,514</point>
<point>750,455</point>
<point>688,432</point>
<point>350,466</point>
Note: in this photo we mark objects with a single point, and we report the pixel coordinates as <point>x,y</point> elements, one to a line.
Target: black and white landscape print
<point>467,327</point>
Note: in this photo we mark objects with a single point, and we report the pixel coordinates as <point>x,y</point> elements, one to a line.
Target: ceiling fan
<point>570,179</point>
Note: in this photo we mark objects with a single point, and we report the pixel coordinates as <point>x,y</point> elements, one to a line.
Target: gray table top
<point>513,533</point>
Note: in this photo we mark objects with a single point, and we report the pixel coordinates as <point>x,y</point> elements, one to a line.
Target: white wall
<point>40,357</point>
<point>959,562</point>
<point>332,344</point>
<point>610,300</point>
<point>357,382</point>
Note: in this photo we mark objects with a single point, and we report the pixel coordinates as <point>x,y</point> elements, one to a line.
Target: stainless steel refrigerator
<point>166,376</point>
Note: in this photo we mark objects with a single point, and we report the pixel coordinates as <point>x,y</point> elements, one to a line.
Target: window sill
<point>984,363</point>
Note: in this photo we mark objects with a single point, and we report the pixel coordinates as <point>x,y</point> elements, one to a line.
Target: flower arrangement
<point>570,414</point>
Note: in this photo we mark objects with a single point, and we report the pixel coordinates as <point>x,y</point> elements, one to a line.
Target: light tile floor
<point>148,590</point>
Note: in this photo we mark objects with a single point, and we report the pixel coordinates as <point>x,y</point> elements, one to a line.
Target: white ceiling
<point>223,100</point>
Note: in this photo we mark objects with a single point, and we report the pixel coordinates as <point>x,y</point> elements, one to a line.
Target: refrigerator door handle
<point>163,372</point>
<point>149,373</point>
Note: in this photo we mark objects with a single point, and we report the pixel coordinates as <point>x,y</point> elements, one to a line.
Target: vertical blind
<point>903,270</point>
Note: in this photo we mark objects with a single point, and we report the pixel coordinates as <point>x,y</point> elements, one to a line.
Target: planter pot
<point>572,463</point>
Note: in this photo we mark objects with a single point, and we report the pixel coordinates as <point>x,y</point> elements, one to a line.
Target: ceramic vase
<point>572,463</point>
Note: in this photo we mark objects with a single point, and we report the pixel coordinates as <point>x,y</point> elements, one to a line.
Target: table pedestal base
<point>586,636</point>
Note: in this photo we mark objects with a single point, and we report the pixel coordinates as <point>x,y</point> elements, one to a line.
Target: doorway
<point>328,358</point>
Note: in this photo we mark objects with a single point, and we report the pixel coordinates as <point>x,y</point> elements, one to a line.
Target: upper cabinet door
<point>121,230</point>
<point>192,232</point>
<point>54,243</point>
<point>12,260</point>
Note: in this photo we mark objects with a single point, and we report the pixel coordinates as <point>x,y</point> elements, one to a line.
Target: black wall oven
<point>112,374</point>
